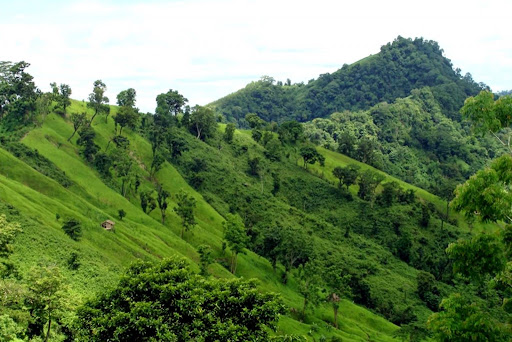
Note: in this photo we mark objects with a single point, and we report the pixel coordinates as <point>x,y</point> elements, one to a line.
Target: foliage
<point>236,237</point>
<point>73,228</point>
<point>205,258</point>
<point>127,98</point>
<point>18,95</point>
<point>463,320</point>
<point>347,175</point>
<point>121,213</point>
<point>98,101</point>
<point>229,132</point>
<point>203,122</point>
<point>399,67</point>
<point>161,199</point>
<point>167,302</point>
<point>62,95</point>
<point>78,121</point>
<point>477,258</point>
<point>185,210</point>
<point>368,181</point>
<point>38,162</point>
<point>47,299</point>
<point>310,156</point>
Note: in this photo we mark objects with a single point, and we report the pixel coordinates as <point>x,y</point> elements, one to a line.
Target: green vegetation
<point>353,253</point>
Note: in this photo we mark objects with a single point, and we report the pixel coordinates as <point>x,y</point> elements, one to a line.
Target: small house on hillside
<point>108,225</point>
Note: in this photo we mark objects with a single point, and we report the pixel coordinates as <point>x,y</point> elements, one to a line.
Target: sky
<point>208,49</point>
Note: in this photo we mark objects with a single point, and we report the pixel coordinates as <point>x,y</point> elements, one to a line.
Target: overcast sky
<point>208,49</point>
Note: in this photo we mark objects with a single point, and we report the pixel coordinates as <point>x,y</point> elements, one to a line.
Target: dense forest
<point>399,67</point>
<point>340,250</point>
<point>397,110</point>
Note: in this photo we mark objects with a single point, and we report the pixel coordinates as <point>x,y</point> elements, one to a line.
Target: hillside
<point>339,249</point>
<point>397,110</point>
<point>41,204</point>
<point>399,67</point>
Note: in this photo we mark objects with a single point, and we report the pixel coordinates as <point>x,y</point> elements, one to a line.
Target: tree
<point>46,299</point>
<point>477,258</point>
<point>73,228</point>
<point>309,284</point>
<point>126,117</point>
<point>338,287</point>
<point>147,201</point>
<point>170,103</point>
<point>18,93</point>
<point>127,98</point>
<point>235,236</point>
<point>205,258</point>
<point>254,166</point>
<point>229,133</point>
<point>347,175</point>
<point>185,210</point>
<point>203,122</point>
<point>462,319</point>
<point>365,151</point>
<point>368,182</point>
<point>290,132</point>
<point>486,194</point>
<point>311,156</point>
<point>254,121</point>
<point>427,290</point>
<point>78,121</point>
<point>167,302</point>
<point>295,249</point>
<point>161,199</point>
<point>346,143</point>
<point>121,213</point>
<point>8,231</point>
<point>98,101</point>
<point>86,141</point>
<point>62,95</point>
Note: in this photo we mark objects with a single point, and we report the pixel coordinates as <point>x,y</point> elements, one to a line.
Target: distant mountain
<point>399,67</point>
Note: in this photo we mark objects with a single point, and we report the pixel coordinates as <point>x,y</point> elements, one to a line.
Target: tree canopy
<point>167,302</point>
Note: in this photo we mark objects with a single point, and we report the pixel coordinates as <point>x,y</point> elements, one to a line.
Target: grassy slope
<point>104,254</point>
<point>333,159</point>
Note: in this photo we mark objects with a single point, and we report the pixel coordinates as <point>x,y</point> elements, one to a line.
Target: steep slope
<point>34,200</point>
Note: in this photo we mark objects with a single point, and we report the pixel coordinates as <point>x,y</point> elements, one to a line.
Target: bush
<point>72,227</point>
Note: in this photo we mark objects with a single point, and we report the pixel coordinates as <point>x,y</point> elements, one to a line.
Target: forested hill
<point>399,67</point>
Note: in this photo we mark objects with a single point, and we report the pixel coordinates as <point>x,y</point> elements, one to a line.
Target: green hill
<point>266,204</point>
<point>396,110</point>
<point>399,67</point>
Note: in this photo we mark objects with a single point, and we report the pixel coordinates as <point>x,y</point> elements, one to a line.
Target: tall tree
<point>185,210</point>
<point>167,302</point>
<point>203,122</point>
<point>236,237</point>
<point>62,95</point>
<point>18,92</point>
<point>78,121</point>
<point>98,101</point>
<point>127,98</point>
<point>161,199</point>
<point>46,299</point>
<point>126,117</point>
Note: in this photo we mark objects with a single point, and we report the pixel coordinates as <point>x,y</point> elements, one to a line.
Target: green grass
<point>104,254</point>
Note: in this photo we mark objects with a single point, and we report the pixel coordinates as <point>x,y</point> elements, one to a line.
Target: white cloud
<point>207,49</point>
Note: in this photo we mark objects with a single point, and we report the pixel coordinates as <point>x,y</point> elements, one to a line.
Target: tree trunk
<point>90,122</point>
<point>72,135</point>
<point>335,316</point>
<point>49,326</point>
<point>304,308</point>
<point>182,229</point>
